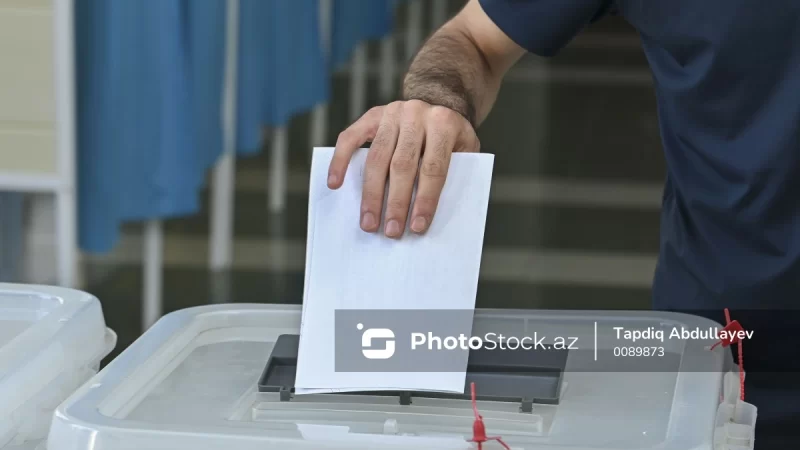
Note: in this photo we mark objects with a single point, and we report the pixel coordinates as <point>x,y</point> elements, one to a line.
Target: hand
<point>403,133</point>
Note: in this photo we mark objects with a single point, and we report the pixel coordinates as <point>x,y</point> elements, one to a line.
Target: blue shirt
<point>727,80</point>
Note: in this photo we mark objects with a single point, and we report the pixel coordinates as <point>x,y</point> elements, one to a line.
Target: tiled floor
<point>573,220</point>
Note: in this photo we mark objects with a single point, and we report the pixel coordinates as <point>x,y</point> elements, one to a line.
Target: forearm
<point>451,70</point>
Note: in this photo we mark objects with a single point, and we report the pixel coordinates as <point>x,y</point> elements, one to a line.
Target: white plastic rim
<point>190,382</point>
<point>49,336</point>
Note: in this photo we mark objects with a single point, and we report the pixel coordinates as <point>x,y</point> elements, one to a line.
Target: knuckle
<point>414,108</point>
<point>415,103</point>
<point>374,161</point>
<point>382,141</point>
<point>409,142</point>
<point>393,108</point>
<point>412,115</point>
<point>403,166</point>
<point>370,198</point>
<point>434,168</point>
<point>425,204</point>
<point>443,136</point>
<point>344,136</point>
<point>411,118</point>
<point>411,137</point>
<point>440,115</point>
<point>465,142</point>
<point>468,132</point>
<point>373,115</point>
<point>398,207</point>
<point>470,144</point>
<point>439,148</point>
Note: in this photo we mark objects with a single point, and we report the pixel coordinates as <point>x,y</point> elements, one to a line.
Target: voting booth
<point>51,342</point>
<point>196,380</point>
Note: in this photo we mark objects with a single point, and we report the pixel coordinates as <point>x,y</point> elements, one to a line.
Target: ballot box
<point>221,377</point>
<point>52,340</point>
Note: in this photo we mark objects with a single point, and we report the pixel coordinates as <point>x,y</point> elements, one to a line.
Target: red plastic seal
<point>730,334</point>
<point>479,429</point>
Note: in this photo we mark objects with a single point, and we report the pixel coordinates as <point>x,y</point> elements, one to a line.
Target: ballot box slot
<point>521,376</point>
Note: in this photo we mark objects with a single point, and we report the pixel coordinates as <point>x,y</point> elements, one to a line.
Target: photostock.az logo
<point>376,333</point>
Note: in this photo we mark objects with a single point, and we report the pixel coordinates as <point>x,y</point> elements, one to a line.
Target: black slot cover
<point>524,376</point>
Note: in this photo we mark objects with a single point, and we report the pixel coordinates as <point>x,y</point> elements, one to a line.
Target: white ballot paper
<point>349,269</point>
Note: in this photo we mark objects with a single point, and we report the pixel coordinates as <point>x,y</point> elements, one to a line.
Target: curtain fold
<point>150,79</point>
<point>138,152</point>
<point>282,69</point>
<point>355,21</point>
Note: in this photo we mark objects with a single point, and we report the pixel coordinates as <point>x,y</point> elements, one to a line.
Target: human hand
<point>408,138</point>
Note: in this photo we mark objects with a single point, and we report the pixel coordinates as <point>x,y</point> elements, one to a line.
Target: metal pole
<point>224,173</point>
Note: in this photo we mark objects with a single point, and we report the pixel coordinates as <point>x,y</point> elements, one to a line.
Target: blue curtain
<point>355,21</point>
<point>137,148</point>
<point>206,49</point>
<point>150,76</point>
<point>282,68</point>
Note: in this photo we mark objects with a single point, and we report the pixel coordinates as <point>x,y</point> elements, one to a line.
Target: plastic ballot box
<point>221,377</point>
<point>51,342</point>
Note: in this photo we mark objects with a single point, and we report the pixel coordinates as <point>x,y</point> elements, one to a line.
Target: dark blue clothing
<point>727,80</point>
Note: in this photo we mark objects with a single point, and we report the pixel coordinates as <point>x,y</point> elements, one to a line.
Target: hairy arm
<point>449,89</point>
<point>462,65</point>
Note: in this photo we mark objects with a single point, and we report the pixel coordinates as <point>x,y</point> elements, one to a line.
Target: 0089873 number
<point>638,351</point>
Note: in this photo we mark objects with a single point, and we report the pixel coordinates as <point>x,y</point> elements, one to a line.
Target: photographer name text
<point>682,333</point>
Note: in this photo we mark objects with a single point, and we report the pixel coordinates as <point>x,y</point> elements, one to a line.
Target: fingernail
<point>332,178</point>
<point>393,228</point>
<point>418,225</point>
<point>368,221</point>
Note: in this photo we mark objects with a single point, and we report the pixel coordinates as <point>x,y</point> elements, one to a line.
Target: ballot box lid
<point>51,342</point>
<point>196,380</point>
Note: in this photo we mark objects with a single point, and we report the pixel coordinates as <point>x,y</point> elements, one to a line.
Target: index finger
<point>361,131</point>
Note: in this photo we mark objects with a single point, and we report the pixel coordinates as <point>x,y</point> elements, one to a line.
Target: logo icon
<point>376,333</point>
